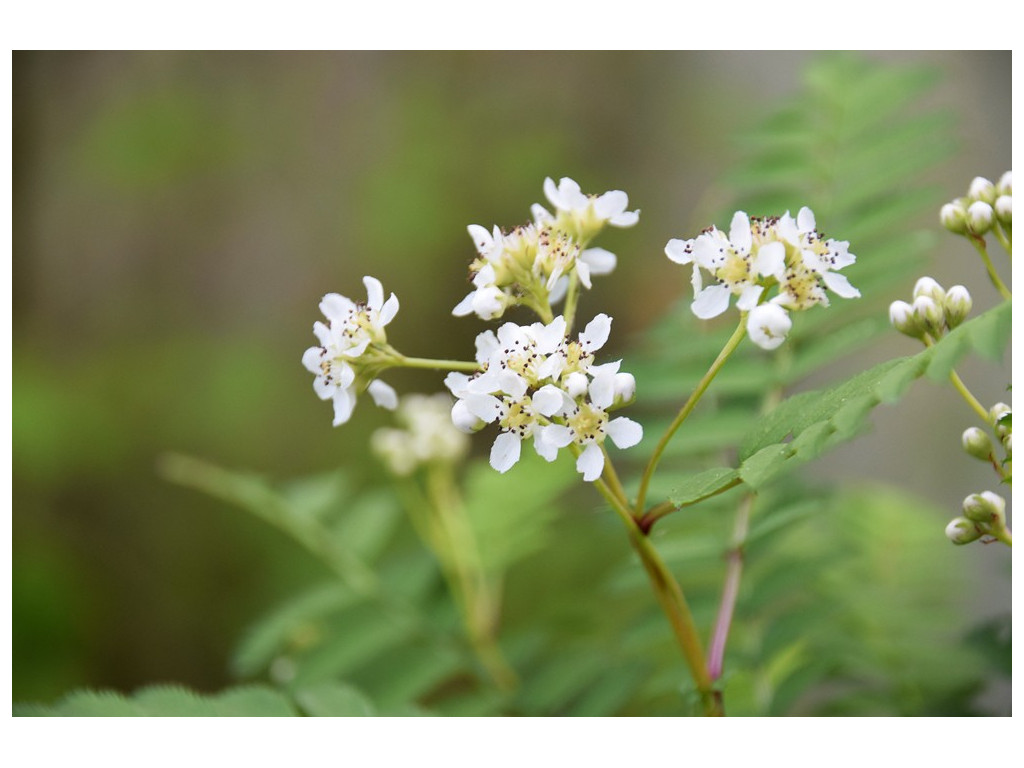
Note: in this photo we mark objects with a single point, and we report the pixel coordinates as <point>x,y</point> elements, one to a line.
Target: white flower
<point>428,435</point>
<point>586,209</point>
<point>758,255</point>
<point>768,325</point>
<point>537,384</point>
<point>352,329</point>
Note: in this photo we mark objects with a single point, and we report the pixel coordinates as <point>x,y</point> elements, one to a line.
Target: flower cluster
<point>985,206</point>
<point>535,383</point>
<point>760,254</point>
<point>428,435</point>
<point>353,349</point>
<point>934,311</point>
<point>532,264</point>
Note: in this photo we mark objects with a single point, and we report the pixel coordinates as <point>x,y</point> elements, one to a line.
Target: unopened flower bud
<point>957,305</point>
<point>998,413</point>
<point>926,286</point>
<point>576,384</point>
<point>929,315</point>
<point>982,189</point>
<point>962,531</point>
<point>625,389</point>
<point>901,315</point>
<point>1004,209</point>
<point>979,217</point>
<point>463,420</point>
<point>1005,185</point>
<point>954,217</point>
<point>985,508</point>
<point>1008,444</point>
<point>977,443</point>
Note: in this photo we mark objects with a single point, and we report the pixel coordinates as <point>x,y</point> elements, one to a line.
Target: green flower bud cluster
<point>984,204</point>
<point>933,312</point>
<point>984,514</point>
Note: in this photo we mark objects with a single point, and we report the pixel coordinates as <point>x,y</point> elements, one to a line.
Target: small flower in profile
<point>427,435</point>
<point>583,216</point>
<point>757,255</point>
<point>954,217</point>
<point>352,345</point>
<point>963,531</point>
<point>538,384</point>
<point>982,189</point>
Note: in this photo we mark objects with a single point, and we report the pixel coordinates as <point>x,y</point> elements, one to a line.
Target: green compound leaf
<point>704,484</point>
<point>167,701</point>
<point>807,425</point>
<point>334,700</point>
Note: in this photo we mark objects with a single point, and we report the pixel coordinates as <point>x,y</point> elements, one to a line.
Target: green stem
<point>979,245</point>
<point>1003,534</point>
<point>684,412</point>
<point>965,393</point>
<point>670,596</point>
<point>731,589</point>
<point>1004,238</point>
<point>658,511</point>
<point>571,297</point>
<point>460,559</point>
<point>438,365</point>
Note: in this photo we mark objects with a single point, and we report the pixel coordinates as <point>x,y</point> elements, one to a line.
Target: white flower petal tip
<point>625,433</point>
<point>590,463</point>
<point>768,325</point>
<point>505,452</point>
<point>679,251</point>
<point>711,302</point>
<point>383,394</point>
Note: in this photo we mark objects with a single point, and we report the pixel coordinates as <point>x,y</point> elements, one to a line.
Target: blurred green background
<point>177,217</point>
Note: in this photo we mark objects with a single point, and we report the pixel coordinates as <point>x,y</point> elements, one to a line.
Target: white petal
<point>583,270</point>
<point>748,299</point>
<point>464,307</point>
<point>558,292</point>
<point>805,220</point>
<point>602,390</point>
<point>548,400</point>
<point>696,281</point>
<point>570,194</point>
<point>389,310</point>
<point>311,359</point>
<point>505,451</point>
<point>611,204</point>
<point>678,250</point>
<point>550,368</point>
<point>711,302</point>
<point>625,219</point>
<point>512,383</point>
<point>813,261</point>
<point>456,382</point>
<point>323,334</point>
<point>541,215</point>
<point>786,228</point>
<point>768,325</point>
<point>323,389</point>
<point>334,306</point>
<point>383,394</point>
<point>486,344</point>
<point>485,276</point>
<point>707,249</point>
<point>485,407</point>
<point>840,286</point>
<point>625,433</point>
<point>551,192</point>
<point>771,260</point>
<point>596,333</point>
<point>344,402</point>
<point>487,303</point>
<point>591,462</point>
<point>739,232</point>
<point>481,238</point>
<point>374,292</point>
<point>356,349</point>
<point>600,261</point>
<point>549,438</point>
<point>549,337</point>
